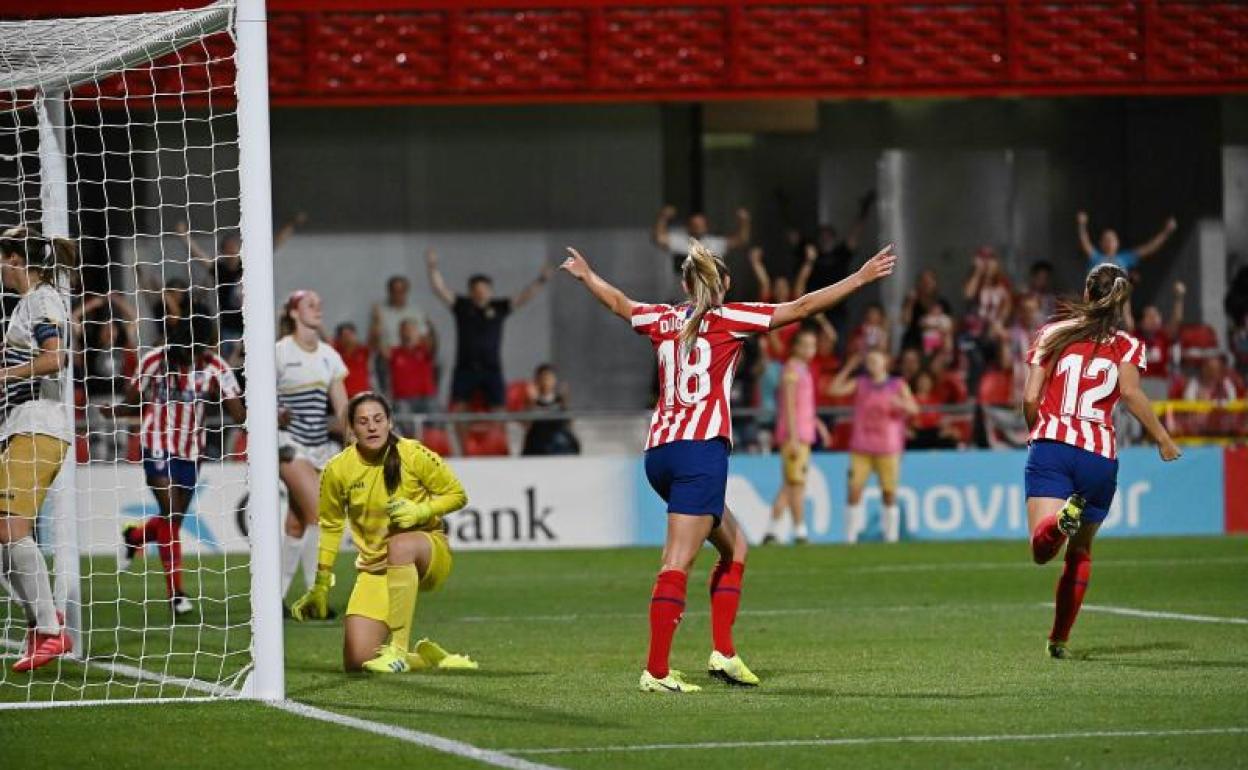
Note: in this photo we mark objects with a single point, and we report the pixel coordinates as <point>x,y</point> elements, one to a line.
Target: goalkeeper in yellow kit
<point>394,492</point>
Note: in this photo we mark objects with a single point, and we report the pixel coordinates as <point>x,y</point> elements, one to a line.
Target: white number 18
<point>690,375</point>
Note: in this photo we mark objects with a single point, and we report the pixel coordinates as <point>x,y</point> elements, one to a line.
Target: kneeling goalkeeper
<point>394,492</point>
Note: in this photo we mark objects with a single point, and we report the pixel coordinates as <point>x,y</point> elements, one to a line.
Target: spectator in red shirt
<point>413,380</point>
<point>357,356</point>
<point>949,386</point>
<point>928,428</point>
<point>776,344</point>
<point>1158,336</point>
<point>826,362</point>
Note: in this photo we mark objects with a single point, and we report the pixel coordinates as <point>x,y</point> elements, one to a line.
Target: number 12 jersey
<point>1078,401</point>
<point>695,380</point>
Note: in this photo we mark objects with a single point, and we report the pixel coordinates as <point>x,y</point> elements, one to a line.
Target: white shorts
<point>318,455</point>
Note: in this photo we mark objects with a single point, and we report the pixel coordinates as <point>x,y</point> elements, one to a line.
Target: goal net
<point>121,134</point>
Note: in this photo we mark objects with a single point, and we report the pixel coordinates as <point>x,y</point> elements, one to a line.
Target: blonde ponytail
<point>1095,318</point>
<point>703,275</point>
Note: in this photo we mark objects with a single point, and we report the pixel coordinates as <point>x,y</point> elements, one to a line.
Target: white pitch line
<point>886,739</point>
<point>428,740</point>
<point>1155,615</point>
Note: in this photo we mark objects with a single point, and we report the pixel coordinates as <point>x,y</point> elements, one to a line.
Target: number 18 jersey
<point>1079,397</point>
<point>695,381</point>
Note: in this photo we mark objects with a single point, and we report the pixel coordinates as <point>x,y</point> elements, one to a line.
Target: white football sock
<point>890,523</point>
<point>800,530</point>
<point>311,544</point>
<point>8,589</point>
<point>855,520</point>
<point>292,547</point>
<point>28,575</point>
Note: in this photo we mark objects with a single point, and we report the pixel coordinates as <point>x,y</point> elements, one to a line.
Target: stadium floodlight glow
<point>144,137</point>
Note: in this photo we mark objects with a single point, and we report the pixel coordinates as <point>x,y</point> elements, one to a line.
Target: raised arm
<point>1154,244</point>
<point>760,271</point>
<point>906,400</point>
<point>197,253</point>
<point>809,255</point>
<point>1175,321</point>
<point>1138,405</point>
<point>614,299</point>
<point>531,291</point>
<point>741,236</point>
<point>1085,240</point>
<point>872,270</point>
<point>288,229</point>
<point>970,289</point>
<point>659,233</point>
<point>854,234</point>
<point>436,281</point>
<point>841,384</point>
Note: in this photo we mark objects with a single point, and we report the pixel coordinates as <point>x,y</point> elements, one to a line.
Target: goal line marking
<point>883,740</point>
<point>1157,615</point>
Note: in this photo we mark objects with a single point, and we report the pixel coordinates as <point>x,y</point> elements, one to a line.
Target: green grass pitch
<point>866,642</point>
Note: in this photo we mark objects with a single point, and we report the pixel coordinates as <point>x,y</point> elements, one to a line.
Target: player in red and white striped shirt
<point>698,344</point>
<point>173,388</point>
<point>1079,367</point>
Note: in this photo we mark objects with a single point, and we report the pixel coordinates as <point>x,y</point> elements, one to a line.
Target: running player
<point>1079,366</point>
<point>35,431</point>
<point>310,383</point>
<point>796,428</point>
<point>394,492</point>
<point>882,405</point>
<point>698,344</point>
<point>172,387</point>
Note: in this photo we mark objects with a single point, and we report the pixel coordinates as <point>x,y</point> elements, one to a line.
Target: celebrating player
<point>174,384</point>
<point>394,491</point>
<point>310,382</point>
<point>882,405</point>
<point>698,344</point>
<point>35,432</point>
<point>1079,366</point>
<point>796,428</point>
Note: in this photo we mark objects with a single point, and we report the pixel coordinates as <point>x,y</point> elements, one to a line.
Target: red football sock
<point>170,550</point>
<point>667,604</point>
<point>1071,587</point>
<point>725,598</point>
<point>151,531</point>
<point>1046,540</point>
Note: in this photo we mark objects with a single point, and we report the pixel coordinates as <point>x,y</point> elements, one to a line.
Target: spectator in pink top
<point>796,429</point>
<point>882,406</point>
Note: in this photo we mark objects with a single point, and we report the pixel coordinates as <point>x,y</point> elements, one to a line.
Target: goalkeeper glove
<point>406,514</point>
<point>314,605</point>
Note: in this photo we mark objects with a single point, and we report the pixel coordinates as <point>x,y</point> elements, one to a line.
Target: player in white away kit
<point>35,431</point>
<point>698,344</point>
<point>310,377</point>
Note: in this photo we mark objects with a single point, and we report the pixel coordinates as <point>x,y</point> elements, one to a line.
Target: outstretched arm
<point>741,237</point>
<point>288,229</point>
<point>906,400</point>
<point>1175,322</point>
<point>854,234</point>
<point>1154,244</point>
<point>436,281</point>
<point>659,233</point>
<point>872,270</point>
<point>760,271</point>
<point>615,300</point>
<point>1085,241</point>
<point>809,255</point>
<point>530,291</point>
<point>1138,405</point>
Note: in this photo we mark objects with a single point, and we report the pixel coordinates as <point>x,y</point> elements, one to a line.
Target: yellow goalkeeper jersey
<point>353,489</point>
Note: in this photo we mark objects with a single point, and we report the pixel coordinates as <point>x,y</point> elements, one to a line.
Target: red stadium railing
<point>345,52</point>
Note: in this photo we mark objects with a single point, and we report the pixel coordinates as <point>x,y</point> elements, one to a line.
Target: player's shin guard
<point>1071,587</point>
<point>403,586</point>
<point>28,574</point>
<point>1046,540</point>
<point>725,599</point>
<point>667,604</point>
<point>169,547</point>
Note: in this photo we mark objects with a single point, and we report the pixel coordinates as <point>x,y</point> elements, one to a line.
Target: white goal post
<point>145,138</point>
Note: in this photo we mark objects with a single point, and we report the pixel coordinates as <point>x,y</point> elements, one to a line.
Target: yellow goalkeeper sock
<point>403,585</point>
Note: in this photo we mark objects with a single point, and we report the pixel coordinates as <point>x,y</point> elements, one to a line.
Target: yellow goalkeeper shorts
<point>29,463</point>
<point>886,467</point>
<point>795,464</point>
<point>370,598</point>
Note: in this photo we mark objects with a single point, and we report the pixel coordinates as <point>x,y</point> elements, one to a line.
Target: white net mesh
<point>140,111</point>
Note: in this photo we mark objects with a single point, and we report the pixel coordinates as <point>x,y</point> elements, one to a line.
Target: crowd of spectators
<point>962,352</point>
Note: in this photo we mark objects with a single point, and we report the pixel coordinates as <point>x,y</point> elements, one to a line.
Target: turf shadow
<point>1104,653</point>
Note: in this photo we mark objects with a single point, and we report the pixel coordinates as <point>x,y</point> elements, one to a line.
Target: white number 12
<point>1071,367</point>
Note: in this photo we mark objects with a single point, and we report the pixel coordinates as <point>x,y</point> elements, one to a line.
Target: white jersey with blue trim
<point>303,381</point>
<point>35,405</point>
